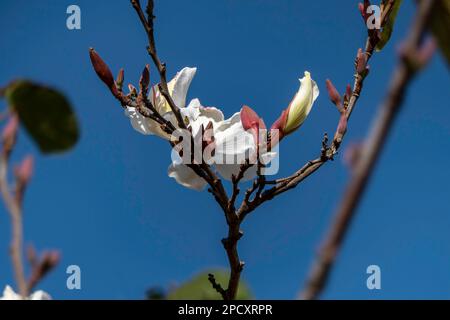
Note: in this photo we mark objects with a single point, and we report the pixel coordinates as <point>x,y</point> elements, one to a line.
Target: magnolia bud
<point>361,61</point>
<point>251,121</point>
<point>145,80</point>
<point>249,118</point>
<point>301,105</point>
<point>133,91</point>
<point>102,70</point>
<point>25,170</point>
<point>10,130</point>
<point>335,97</point>
<point>119,79</point>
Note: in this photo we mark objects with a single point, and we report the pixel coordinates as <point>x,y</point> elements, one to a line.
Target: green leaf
<point>199,288</point>
<point>440,26</point>
<point>389,26</point>
<point>46,115</point>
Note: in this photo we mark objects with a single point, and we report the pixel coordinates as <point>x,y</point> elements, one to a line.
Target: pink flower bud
<point>280,123</point>
<point>10,130</point>
<point>102,69</point>
<point>361,61</point>
<point>25,170</point>
<point>145,80</point>
<point>120,78</point>
<point>335,97</point>
<point>251,121</point>
<point>249,118</point>
<point>132,89</point>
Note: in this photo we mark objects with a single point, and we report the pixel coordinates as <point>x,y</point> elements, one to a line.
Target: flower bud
<point>299,107</point>
<point>120,78</point>
<point>249,118</point>
<point>25,170</point>
<point>102,70</point>
<point>361,61</point>
<point>9,133</point>
<point>133,91</point>
<point>335,97</point>
<point>145,80</point>
<point>251,121</point>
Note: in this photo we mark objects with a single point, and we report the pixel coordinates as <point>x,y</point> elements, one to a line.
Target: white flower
<point>9,294</point>
<point>232,146</point>
<point>297,111</point>
<point>302,103</point>
<point>178,88</point>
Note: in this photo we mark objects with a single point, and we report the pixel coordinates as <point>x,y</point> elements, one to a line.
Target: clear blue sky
<point>111,209</point>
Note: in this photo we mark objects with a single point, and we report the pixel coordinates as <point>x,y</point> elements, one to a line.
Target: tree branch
<point>15,212</point>
<point>388,110</point>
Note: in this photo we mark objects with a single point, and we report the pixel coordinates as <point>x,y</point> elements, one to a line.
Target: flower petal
<point>40,295</point>
<point>178,86</point>
<point>9,294</point>
<point>302,103</point>
<point>142,124</point>
<point>186,176</point>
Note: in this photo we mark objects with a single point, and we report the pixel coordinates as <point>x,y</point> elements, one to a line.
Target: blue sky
<point>110,208</point>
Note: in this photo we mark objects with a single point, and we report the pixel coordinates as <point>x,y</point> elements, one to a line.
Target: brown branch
<point>148,26</point>
<point>15,212</point>
<point>203,170</point>
<point>402,76</point>
<point>217,286</point>
<point>328,152</point>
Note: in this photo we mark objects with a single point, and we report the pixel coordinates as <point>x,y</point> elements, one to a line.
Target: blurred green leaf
<point>199,288</point>
<point>440,26</point>
<point>389,26</point>
<point>45,113</point>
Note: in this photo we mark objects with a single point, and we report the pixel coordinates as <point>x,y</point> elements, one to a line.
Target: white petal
<point>233,141</point>
<point>142,124</point>
<point>302,103</point>
<point>192,111</point>
<point>40,295</point>
<point>186,176</point>
<point>138,121</point>
<point>213,113</point>
<point>199,115</point>
<point>9,294</point>
<point>233,146</point>
<point>179,86</point>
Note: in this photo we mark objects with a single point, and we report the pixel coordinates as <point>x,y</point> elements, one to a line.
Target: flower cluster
<point>231,141</point>
<point>202,134</point>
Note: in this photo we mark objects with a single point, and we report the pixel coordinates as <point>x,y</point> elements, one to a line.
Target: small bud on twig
<point>23,173</point>
<point>335,97</point>
<point>9,134</point>
<point>119,80</point>
<point>144,81</point>
<point>361,62</point>
<point>40,269</point>
<point>24,170</point>
<point>102,70</point>
<point>347,95</point>
<point>133,91</point>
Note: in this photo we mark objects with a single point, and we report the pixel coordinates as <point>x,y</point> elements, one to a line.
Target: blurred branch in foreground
<point>414,54</point>
<point>51,124</point>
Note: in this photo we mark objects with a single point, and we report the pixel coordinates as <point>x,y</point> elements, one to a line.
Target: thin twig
<point>328,153</point>
<point>217,286</point>
<point>402,76</point>
<point>15,213</point>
